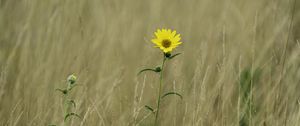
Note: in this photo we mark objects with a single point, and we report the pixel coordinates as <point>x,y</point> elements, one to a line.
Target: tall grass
<point>106,42</point>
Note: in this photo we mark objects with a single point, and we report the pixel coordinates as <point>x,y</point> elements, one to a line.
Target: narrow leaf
<point>72,114</point>
<point>62,91</point>
<point>149,108</point>
<point>174,55</point>
<point>147,69</point>
<point>172,93</point>
<point>72,86</point>
<point>72,102</point>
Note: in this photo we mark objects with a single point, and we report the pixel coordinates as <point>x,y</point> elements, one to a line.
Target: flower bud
<point>65,91</point>
<point>72,79</point>
<point>157,69</point>
<point>168,55</point>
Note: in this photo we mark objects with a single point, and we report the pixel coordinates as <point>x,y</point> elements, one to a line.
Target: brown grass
<point>106,42</point>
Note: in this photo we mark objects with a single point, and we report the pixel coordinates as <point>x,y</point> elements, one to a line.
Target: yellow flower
<point>166,40</point>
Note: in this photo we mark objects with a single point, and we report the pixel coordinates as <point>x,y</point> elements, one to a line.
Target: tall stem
<point>159,90</point>
<point>66,106</point>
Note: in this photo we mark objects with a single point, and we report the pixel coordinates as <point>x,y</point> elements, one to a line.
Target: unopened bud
<point>168,55</point>
<point>157,69</point>
<point>72,79</point>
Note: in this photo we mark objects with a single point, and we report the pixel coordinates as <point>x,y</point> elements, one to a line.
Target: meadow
<point>240,62</point>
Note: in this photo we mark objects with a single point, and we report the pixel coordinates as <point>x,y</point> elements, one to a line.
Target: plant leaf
<point>149,108</point>
<point>72,114</point>
<point>51,125</point>
<point>147,69</point>
<point>72,86</point>
<point>172,93</point>
<point>62,91</point>
<point>72,102</point>
<point>174,55</point>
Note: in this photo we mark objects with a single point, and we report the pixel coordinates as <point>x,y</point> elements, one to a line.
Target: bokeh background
<point>106,42</point>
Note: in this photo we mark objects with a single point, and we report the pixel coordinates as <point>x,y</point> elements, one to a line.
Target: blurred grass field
<point>106,42</point>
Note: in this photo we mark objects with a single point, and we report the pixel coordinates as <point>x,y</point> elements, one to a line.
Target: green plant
<point>248,78</point>
<point>166,40</point>
<point>67,102</point>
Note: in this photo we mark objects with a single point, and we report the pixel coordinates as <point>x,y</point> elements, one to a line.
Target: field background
<point>106,42</point>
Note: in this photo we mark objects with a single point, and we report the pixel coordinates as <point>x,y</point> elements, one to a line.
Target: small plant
<point>247,80</point>
<point>166,40</point>
<point>67,102</point>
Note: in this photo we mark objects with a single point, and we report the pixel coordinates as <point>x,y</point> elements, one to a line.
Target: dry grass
<point>106,42</point>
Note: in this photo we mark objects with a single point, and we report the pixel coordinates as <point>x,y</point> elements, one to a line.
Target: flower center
<point>166,43</point>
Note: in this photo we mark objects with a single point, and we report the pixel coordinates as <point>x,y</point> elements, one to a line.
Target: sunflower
<point>166,40</point>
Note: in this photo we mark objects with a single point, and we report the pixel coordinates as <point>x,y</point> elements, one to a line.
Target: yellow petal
<point>156,41</point>
<point>173,33</point>
<point>177,38</point>
<point>156,34</point>
<point>158,31</point>
<point>169,31</point>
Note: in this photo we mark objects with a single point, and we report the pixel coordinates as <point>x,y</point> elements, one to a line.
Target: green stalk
<point>65,110</point>
<point>66,107</point>
<point>159,91</point>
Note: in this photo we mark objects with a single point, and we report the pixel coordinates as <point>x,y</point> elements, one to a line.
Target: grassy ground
<point>228,46</point>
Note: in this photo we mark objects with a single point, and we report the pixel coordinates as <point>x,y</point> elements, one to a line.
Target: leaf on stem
<point>72,114</point>
<point>72,86</point>
<point>72,102</point>
<point>172,93</point>
<point>62,91</point>
<point>149,108</point>
<point>158,69</point>
<point>171,57</point>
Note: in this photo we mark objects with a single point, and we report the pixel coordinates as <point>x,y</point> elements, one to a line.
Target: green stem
<point>159,91</point>
<point>66,107</point>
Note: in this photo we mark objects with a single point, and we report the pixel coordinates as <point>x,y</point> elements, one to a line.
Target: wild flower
<point>166,40</point>
<point>68,103</point>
